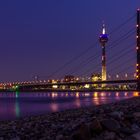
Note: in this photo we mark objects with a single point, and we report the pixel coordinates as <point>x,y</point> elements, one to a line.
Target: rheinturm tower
<point>103,40</point>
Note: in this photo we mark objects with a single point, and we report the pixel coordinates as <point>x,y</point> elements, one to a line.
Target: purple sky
<point>38,37</point>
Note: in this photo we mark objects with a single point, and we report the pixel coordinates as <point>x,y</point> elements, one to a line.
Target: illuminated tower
<point>138,50</point>
<point>103,40</point>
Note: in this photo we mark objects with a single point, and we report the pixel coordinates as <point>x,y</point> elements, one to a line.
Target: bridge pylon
<point>138,50</point>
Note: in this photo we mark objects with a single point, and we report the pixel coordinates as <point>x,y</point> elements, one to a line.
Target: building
<point>96,77</point>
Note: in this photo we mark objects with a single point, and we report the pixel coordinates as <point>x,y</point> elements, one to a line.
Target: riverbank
<point>115,121</point>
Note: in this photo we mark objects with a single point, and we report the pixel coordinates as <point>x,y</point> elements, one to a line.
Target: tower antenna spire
<point>103,30</point>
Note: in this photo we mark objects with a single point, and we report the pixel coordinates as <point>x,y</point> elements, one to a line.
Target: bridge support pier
<point>138,50</point>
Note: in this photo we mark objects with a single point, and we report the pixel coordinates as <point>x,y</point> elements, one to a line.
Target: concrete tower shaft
<point>138,50</point>
<point>103,64</point>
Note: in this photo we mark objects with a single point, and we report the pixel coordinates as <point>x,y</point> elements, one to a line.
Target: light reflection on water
<point>16,105</point>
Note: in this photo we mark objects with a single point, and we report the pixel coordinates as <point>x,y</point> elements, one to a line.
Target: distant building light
<point>117,76</point>
<point>109,76</point>
<point>77,78</point>
<point>126,75</point>
<point>55,86</point>
<point>86,86</point>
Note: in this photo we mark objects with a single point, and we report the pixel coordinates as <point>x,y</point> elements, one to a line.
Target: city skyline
<point>38,38</point>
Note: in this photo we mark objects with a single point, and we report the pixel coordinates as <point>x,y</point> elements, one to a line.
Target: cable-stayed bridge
<point>122,66</point>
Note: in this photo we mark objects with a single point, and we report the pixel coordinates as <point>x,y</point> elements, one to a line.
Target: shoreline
<point>68,90</point>
<point>113,121</point>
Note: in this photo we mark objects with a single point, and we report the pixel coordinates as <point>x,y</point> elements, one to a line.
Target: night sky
<point>39,36</point>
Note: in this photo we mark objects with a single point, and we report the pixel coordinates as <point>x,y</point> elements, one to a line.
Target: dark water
<point>16,105</point>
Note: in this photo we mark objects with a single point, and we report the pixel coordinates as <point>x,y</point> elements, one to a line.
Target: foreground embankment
<point>115,121</point>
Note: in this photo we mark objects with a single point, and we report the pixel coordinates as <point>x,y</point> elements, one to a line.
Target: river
<point>17,105</point>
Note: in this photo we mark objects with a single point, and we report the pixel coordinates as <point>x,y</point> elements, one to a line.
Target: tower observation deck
<point>103,38</point>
